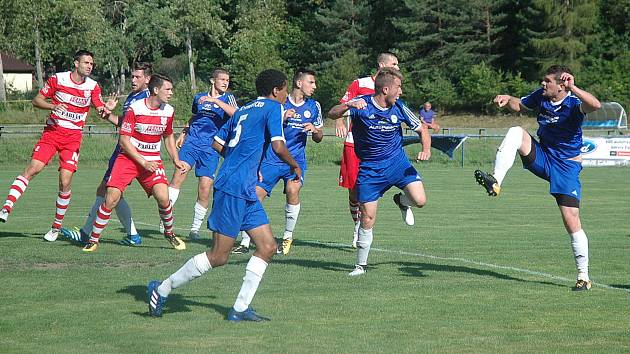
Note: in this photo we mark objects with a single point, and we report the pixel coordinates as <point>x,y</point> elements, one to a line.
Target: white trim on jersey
<point>275,138</point>
<point>219,140</point>
<point>412,117</point>
<point>232,100</point>
<point>319,122</point>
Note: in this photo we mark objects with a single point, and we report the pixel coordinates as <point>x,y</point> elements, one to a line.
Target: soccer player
<point>376,126</point>
<point>71,93</point>
<point>210,110</point>
<point>235,206</point>
<point>139,80</point>
<point>561,107</point>
<point>145,123</point>
<point>305,117</point>
<point>349,160</point>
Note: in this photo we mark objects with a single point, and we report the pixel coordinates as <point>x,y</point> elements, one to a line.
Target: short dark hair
<point>385,78</point>
<point>557,70</point>
<point>269,79</point>
<point>300,73</point>
<point>147,68</point>
<point>157,80</point>
<point>383,57</point>
<point>218,71</point>
<point>80,53</point>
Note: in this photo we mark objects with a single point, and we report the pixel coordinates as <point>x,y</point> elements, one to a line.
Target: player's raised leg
<point>517,140</point>
<point>18,187</point>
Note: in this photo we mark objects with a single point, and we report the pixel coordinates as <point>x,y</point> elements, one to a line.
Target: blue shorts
<point>231,214</point>
<point>563,175</point>
<point>110,165</point>
<point>376,178</point>
<point>205,161</point>
<point>273,173</point>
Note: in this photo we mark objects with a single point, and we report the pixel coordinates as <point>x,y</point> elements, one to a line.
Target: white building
<point>18,75</point>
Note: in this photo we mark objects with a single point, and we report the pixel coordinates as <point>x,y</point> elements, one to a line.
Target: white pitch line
<point>440,258</point>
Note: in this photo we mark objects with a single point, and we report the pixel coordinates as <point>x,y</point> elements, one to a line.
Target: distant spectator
<point>428,115</point>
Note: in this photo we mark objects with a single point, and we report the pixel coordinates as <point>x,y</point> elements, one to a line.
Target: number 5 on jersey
<point>237,131</point>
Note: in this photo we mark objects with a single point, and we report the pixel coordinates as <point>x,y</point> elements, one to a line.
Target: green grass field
<point>475,274</point>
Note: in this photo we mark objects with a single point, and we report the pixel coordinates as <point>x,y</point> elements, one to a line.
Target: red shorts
<point>125,170</point>
<point>349,167</point>
<point>66,143</point>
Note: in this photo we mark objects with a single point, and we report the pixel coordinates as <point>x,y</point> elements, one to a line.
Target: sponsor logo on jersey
<point>147,146</point>
<point>71,116</point>
<point>588,146</point>
<point>126,126</point>
<point>150,129</point>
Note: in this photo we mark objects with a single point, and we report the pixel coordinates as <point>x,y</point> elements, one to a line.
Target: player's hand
<point>182,166</point>
<point>60,108</point>
<point>358,103</point>
<point>112,101</point>
<point>340,128</point>
<point>289,113</point>
<point>207,98</point>
<point>103,112</point>
<point>180,140</point>
<point>151,166</point>
<point>309,128</point>
<point>568,79</point>
<point>423,155</point>
<point>502,100</point>
<point>298,175</point>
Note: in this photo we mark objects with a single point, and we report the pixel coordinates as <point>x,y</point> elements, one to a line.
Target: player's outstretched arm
<point>511,103</point>
<point>590,103</point>
<point>317,134</point>
<point>280,148</point>
<point>218,147</point>
<point>40,102</point>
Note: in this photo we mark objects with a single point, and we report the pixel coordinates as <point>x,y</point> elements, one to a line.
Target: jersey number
<point>237,131</point>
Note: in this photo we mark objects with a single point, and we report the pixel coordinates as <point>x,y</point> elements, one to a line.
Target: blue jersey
<point>377,131</point>
<point>559,123</point>
<point>308,111</point>
<point>131,98</point>
<point>244,137</point>
<point>208,119</point>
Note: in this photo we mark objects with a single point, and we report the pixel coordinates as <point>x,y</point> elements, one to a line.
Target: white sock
<point>194,268</point>
<point>506,153</point>
<point>363,245</point>
<point>173,194</point>
<point>87,227</point>
<point>200,214</point>
<point>245,239</point>
<point>579,244</point>
<point>291,213</point>
<point>253,275</point>
<point>123,211</point>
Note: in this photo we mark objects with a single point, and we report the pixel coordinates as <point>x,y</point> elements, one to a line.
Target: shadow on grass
<point>307,263</point>
<point>176,302</point>
<point>19,235</point>
<point>620,286</point>
<point>325,246</point>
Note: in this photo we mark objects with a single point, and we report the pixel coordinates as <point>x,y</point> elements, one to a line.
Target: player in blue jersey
<point>140,77</point>
<point>235,206</point>
<point>304,117</point>
<point>210,110</point>
<point>561,107</point>
<point>377,131</point>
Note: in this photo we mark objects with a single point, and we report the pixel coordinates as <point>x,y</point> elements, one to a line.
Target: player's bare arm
<point>337,111</point>
<point>511,103</point>
<point>589,102</point>
<point>218,147</point>
<point>289,113</point>
<point>182,136</point>
<point>280,148</point>
<point>169,142</point>
<point>340,128</point>
<point>230,110</point>
<point>40,102</point>
<point>425,139</point>
<point>316,133</point>
<point>130,150</point>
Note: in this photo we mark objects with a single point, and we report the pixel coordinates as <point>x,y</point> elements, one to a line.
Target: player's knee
<point>267,249</point>
<point>217,260</point>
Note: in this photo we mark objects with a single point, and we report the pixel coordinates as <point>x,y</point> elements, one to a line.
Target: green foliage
<point>333,81</point>
<point>479,86</point>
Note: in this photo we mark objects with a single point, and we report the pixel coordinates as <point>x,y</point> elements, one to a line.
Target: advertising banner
<point>606,151</point>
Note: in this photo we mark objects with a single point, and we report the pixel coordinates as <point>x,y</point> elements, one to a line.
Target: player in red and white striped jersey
<point>349,160</point>
<point>71,94</point>
<point>146,122</point>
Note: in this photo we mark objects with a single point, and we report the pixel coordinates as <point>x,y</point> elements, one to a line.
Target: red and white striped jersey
<point>146,126</point>
<point>77,97</point>
<point>358,87</point>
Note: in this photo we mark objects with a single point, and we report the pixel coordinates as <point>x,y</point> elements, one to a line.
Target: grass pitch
<point>475,274</point>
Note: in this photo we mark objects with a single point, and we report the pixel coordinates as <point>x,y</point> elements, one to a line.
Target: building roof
<point>11,64</point>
